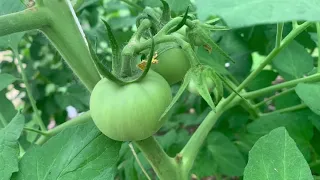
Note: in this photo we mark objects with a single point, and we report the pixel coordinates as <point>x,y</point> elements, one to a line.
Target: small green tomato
<point>193,89</point>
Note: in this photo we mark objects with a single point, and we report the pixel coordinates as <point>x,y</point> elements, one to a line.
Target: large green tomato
<point>130,112</point>
<point>172,64</point>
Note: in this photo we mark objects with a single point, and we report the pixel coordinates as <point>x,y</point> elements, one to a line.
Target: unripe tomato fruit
<point>172,64</point>
<point>193,89</point>
<point>130,112</point>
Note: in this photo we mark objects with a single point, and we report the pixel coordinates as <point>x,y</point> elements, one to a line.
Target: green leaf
<point>264,79</point>
<point>219,156</point>
<point>309,93</point>
<point>235,12</point>
<point>296,123</point>
<point>10,6</point>
<point>5,80</point>
<point>12,40</point>
<point>7,110</point>
<point>178,5</point>
<point>79,152</point>
<point>287,100</point>
<point>9,147</point>
<point>276,156</point>
<point>293,62</point>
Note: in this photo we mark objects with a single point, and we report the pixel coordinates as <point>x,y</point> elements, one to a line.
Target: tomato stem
<point>66,34</point>
<point>288,84</point>
<point>279,34</point>
<point>138,161</point>
<point>194,144</point>
<point>28,19</point>
<point>163,165</point>
<point>289,109</point>
<point>29,93</point>
<point>193,58</point>
<point>83,118</point>
<point>172,23</point>
<point>274,97</point>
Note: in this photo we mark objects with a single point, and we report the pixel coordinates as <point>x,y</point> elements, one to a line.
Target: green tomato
<point>172,64</point>
<point>193,89</point>
<point>131,112</point>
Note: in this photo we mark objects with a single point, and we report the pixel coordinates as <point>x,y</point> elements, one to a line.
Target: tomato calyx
<point>199,35</point>
<point>116,59</point>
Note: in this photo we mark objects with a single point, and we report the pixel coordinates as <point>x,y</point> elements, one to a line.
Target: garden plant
<point>159,89</point>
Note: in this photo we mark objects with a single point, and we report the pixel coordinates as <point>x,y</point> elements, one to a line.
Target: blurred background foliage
<point>60,96</point>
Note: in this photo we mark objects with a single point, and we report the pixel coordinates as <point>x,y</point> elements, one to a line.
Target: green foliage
<point>293,62</point>
<point>276,156</point>
<point>219,156</point>
<point>309,94</point>
<point>235,13</point>
<point>7,110</point>
<point>241,139</point>
<point>9,147</point>
<point>79,152</point>
<point>5,80</point>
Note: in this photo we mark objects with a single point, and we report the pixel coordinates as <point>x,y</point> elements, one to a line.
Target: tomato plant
<point>96,89</point>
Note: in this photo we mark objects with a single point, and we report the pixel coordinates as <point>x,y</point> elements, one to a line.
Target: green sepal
<point>182,88</point>
<point>199,31</point>
<point>166,14</point>
<point>149,62</point>
<point>202,87</point>
<point>116,53</point>
<point>101,68</point>
<point>218,90</point>
<point>181,23</point>
<point>230,87</point>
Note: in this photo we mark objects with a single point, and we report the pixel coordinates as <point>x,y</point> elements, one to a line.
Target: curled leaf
<point>181,23</point>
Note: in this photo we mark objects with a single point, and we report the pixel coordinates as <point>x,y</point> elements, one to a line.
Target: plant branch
<point>290,37</point>
<point>190,151</point>
<point>163,165</point>
<point>318,34</point>
<point>193,146</point>
<point>138,161</point>
<point>288,84</point>
<point>83,118</point>
<point>29,19</point>
<point>29,93</point>
<point>274,97</point>
<point>279,34</point>
<point>35,130</point>
<point>289,109</point>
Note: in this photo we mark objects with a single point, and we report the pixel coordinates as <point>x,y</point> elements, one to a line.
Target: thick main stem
<point>163,165</point>
<point>65,32</point>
